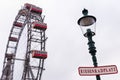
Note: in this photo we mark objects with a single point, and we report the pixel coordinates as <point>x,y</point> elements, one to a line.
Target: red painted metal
<point>33,8</point>
<point>39,54</point>
<point>38,25</point>
<point>18,24</point>
<point>13,39</point>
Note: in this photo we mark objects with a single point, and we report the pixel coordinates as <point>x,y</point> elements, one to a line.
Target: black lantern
<point>87,22</point>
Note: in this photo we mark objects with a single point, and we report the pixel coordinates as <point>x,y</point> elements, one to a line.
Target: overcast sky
<point>67,48</point>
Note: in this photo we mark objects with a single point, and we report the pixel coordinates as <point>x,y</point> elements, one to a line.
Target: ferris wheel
<point>25,51</point>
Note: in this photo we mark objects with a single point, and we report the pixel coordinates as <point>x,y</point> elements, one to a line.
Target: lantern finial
<point>85,12</point>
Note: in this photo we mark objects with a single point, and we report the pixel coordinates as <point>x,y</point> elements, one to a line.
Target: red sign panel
<point>100,70</point>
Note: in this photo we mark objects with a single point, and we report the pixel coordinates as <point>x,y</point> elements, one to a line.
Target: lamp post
<point>87,25</point>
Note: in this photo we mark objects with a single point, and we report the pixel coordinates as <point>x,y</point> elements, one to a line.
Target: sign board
<point>100,70</point>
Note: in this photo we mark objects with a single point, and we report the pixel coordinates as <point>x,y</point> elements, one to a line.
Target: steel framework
<point>30,17</point>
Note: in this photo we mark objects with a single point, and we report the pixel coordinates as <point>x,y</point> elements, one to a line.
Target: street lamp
<point>87,22</point>
<point>87,25</point>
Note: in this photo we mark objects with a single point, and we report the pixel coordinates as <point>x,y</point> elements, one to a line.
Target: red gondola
<point>38,25</point>
<point>39,54</point>
<point>33,8</point>
<point>18,24</point>
<point>13,39</point>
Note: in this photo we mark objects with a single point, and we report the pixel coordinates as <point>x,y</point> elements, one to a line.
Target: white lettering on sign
<point>100,70</point>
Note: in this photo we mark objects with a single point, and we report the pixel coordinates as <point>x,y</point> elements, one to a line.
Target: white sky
<point>66,46</point>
